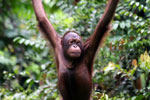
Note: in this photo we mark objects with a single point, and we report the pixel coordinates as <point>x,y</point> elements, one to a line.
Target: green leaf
<point>137,4</point>
<point>21,40</point>
<point>122,25</point>
<point>27,42</point>
<point>115,26</point>
<point>128,23</point>
<point>132,2</point>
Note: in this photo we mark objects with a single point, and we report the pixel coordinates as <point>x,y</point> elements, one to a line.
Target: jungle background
<point>27,65</point>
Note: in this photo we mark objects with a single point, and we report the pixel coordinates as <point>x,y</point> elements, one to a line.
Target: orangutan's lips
<point>75,52</point>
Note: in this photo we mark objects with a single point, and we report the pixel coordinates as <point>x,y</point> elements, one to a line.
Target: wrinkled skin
<point>72,45</point>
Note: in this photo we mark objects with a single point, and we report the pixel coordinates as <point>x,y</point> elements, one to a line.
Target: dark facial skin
<point>72,45</point>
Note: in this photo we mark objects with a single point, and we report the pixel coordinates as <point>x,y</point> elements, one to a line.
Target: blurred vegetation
<point>27,65</point>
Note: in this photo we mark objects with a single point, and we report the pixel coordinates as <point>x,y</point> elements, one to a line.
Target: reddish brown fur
<point>75,83</point>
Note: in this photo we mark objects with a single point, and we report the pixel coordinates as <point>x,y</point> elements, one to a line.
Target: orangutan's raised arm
<point>102,27</point>
<point>44,24</point>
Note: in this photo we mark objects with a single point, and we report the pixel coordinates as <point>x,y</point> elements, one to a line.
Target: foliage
<point>27,68</point>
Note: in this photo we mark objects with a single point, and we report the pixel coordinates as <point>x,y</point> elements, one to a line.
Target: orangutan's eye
<point>71,42</point>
